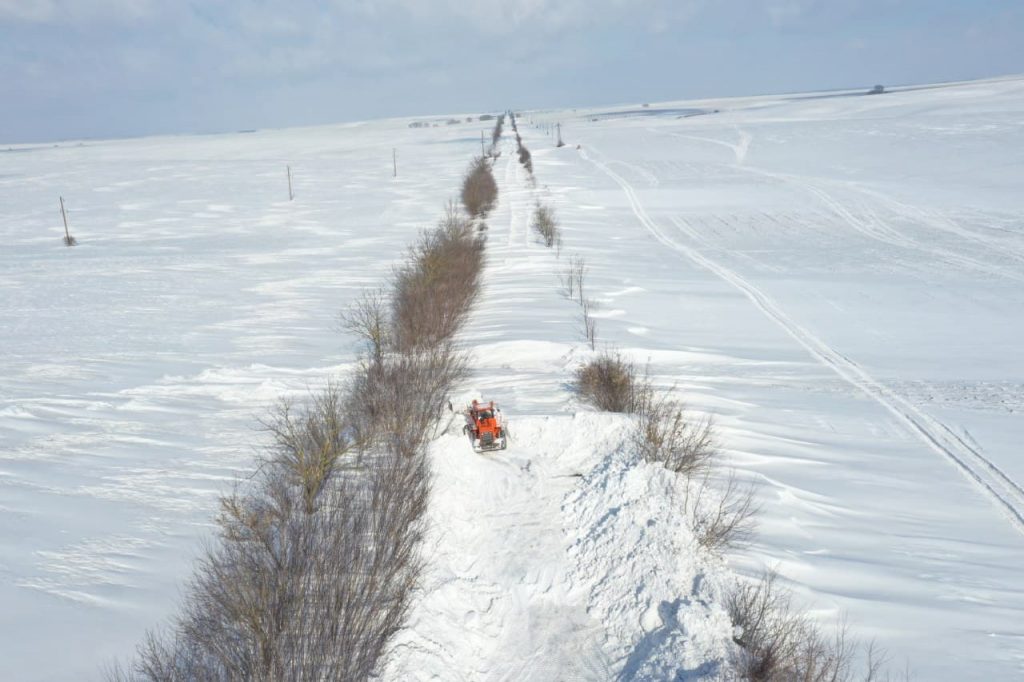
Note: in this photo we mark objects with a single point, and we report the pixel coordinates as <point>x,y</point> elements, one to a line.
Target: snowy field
<point>135,366</point>
<point>838,279</point>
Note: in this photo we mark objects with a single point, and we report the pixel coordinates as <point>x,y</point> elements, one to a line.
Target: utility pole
<point>290,195</point>
<point>482,143</point>
<point>394,161</point>
<point>68,239</point>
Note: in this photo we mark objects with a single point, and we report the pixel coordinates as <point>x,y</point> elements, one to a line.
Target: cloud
<point>783,12</point>
<point>490,16</point>
<point>174,64</point>
<point>75,11</point>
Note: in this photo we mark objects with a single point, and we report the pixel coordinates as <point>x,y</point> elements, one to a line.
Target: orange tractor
<point>485,426</point>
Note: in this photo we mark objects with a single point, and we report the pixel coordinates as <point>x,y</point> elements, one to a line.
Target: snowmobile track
<point>1006,493</point>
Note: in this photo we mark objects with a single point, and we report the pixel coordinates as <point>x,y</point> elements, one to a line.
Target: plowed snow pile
<point>563,558</point>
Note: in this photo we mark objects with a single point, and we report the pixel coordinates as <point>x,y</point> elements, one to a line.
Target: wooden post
<point>394,161</point>
<point>482,153</point>
<point>63,214</point>
<point>560,143</point>
<point>290,195</point>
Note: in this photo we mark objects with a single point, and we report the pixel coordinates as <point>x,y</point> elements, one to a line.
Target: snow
<point>134,367</point>
<point>837,279</point>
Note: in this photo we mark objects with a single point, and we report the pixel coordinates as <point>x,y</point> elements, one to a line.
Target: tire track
<point>881,231</point>
<point>1002,490</point>
<point>936,220</point>
<point>875,227</point>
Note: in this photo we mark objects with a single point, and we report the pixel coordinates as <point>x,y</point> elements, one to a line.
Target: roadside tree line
<point>315,558</point>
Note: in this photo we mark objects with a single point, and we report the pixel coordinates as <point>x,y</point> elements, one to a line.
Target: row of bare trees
<point>496,136</point>
<point>573,280</point>
<point>524,154</point>
<point>315,559</point>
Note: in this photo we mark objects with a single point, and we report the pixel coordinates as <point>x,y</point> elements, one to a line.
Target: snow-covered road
<point>560,558</point>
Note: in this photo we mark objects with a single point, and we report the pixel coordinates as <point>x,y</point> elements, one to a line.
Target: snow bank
<point>562,557</point>
<point>656,591</point>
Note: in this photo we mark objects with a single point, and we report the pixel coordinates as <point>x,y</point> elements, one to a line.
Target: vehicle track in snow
<point>871,224</point>
<point>1003,491</point>
<point>875,227</point>
<point>944,223</point>
<point>498,600</point>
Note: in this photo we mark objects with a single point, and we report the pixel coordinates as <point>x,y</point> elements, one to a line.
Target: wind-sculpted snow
<point>837,280</point>
<point>134,367</point>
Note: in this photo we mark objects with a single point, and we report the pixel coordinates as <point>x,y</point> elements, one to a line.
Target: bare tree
<point>435,287</point>
<point>573,277</point>
<point>587,308</point>
<point>368,319</point>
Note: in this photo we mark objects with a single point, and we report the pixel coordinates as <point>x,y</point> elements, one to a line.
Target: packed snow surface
<point>839,280</point>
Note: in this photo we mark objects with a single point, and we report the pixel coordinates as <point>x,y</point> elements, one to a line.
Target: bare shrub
<point>665,433</point>
<point>479,190</point>
<point>766,629</point>
<point>722,518</point>
<point>545,224</point>
<point>608,382</point>
<point>779,642</point>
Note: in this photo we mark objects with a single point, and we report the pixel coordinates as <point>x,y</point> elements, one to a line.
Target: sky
<point>72,69</point>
